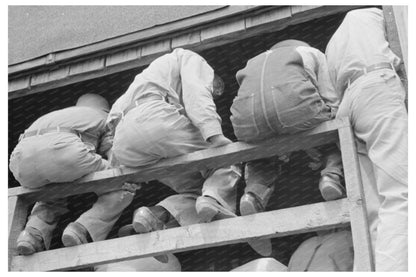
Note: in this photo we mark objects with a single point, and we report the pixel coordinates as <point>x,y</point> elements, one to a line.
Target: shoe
<point>249,204</point>
<point>29,241</point>
<point>330,187</point>
<point>145,220</point>
<point>75,234</point>
<point>126,230</point>
<point>209,209</point>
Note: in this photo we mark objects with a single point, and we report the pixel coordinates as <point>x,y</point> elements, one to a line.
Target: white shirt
<point>183,77</point>
<point>360,41</point>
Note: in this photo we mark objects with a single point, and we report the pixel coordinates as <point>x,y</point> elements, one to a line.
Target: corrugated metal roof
<point>38,30</point>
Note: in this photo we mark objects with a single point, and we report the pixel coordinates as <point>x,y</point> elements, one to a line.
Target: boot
<point>75,234</point>
<point>249,204</point>
<point>148,219</point>
<point>209,209</point>
<point>126,230</point>
<point>330,187</point>
<point>30,241</point>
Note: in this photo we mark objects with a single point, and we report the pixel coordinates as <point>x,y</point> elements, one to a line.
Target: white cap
<point>93,101</point>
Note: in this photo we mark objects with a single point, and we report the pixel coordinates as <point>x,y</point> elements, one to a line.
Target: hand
<point>219,140</point>
<point>285,157</point>
<point>131,187</point>
<point>315,165</point>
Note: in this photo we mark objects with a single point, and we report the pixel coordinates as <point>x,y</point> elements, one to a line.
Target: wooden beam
<point>306,13</point>
<point>225,30</point>
<point>87,66</point>
<point>395,18</point>
<point>363,254</point>
<point>17,219</point>
<point>397,29</point>
<point>271,224</point>
<point>49,76</point>
<point>142,35</point>
<point>113,179</point>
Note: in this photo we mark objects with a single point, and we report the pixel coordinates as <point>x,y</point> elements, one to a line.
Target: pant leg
<point>57,157</point>
<point>182,205</point>
<point>53,158</point>
<point>222,186</point>
<point>101,217</point>
<point>99,220</point>
<point>182,208</point>
<point>333,163</point>
<point>379,118</point>
<point>153,131</point>
<point>45,216</point>
<point>372,198</point>
<point>260,176</point>
<point>392,230</point>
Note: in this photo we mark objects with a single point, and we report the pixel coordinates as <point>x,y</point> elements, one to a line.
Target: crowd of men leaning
<point>169,110</point>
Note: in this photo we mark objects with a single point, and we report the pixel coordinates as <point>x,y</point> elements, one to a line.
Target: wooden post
<point>395,18</point>
<point>363,255</point>
<point>17,220</point>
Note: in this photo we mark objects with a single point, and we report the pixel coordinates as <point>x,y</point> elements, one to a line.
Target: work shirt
<point>283,90</point>
<point>315,65</point>
<point>360,41</point>
<point>89,122</point>
<point>185,80</point>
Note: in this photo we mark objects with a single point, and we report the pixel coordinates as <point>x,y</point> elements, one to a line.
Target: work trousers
<point>155,130</point>
<point>333,163</point>
<point>258,117</point>
<point>375,106</point>
<point>63,157</point>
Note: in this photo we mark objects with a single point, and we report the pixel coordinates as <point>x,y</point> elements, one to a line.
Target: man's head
<point>289,42</point>
<point>94,101</point>
<point>218,87</point>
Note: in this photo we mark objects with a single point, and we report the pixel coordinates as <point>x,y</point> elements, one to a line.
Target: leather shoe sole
<point>27,243</point>
<point>209,209</point>
<point>25,248</point>
<point>74,234</point>
<point>250,205</point>
<point>330,190</point>
<point>144,221</point>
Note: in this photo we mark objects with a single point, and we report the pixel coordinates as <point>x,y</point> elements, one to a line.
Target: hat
<point>94,101</point>
<point>290,42</point>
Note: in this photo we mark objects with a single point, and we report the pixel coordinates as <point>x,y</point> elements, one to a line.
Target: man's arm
<point>314,62</point>
<point>105,143</point>
<point>197,85</point>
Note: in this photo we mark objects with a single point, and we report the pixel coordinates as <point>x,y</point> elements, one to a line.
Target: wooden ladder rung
<point>108,180</point>
<point>278,223</point>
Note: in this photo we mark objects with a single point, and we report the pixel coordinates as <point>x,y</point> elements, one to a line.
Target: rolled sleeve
<point>210,128</point>
<point>105,143</point>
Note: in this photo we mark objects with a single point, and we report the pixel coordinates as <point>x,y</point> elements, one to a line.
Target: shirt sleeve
<point>197,85</point>
<point>105,142</point>
<point>315,64</point>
